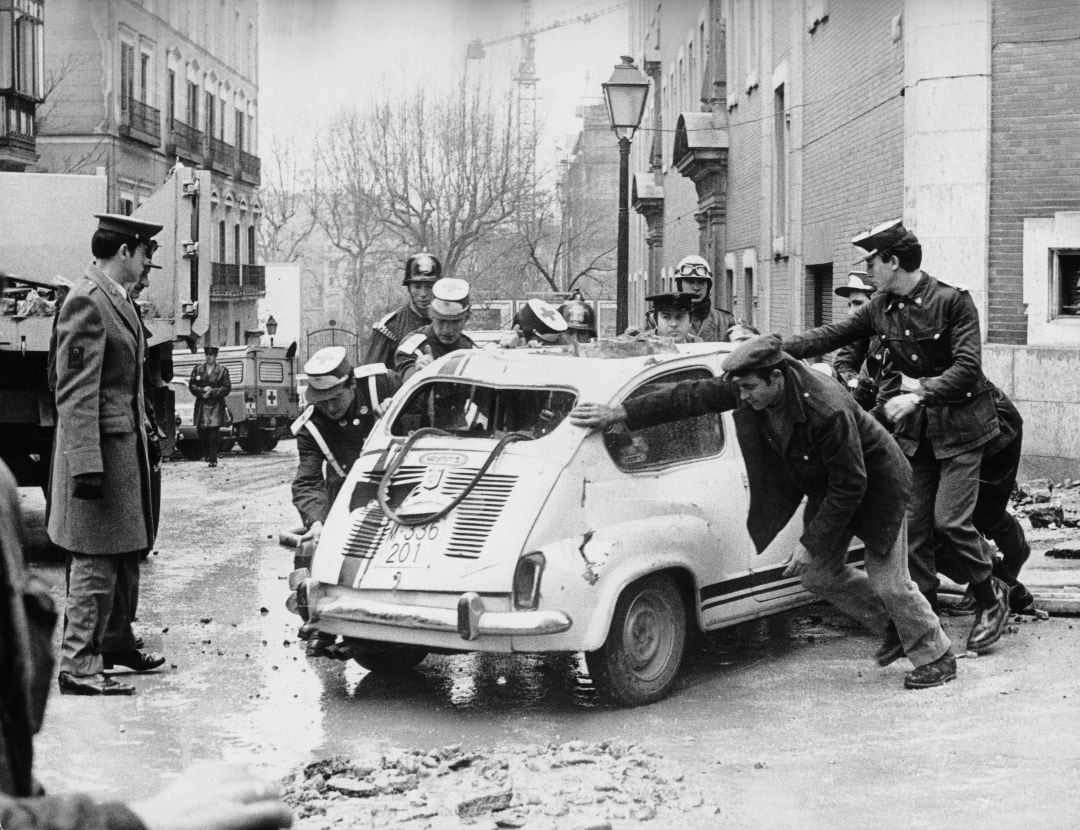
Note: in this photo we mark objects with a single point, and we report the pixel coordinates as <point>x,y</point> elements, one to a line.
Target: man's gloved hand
<point>88,486</point>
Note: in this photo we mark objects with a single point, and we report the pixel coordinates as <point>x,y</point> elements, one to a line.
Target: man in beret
<point>449,311</point>
<point>672,313</point>
<point>802,435</point>
<point>859,365</point>
<point>422,271</point>
<point>101,509</point>
<point>944,414</point>
<point>211,385</point>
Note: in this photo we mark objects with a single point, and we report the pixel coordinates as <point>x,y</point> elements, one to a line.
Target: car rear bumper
<point>470,618</point>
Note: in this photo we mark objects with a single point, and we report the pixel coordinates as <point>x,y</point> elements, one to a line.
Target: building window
<point>236,243</point>
<point>127,76</point>
<point>236,333</point>
<point>193,105</point>
<point>780,158</point>
<point>21,29</point>
<point>747,308</point>
<point>144,77</point>
<point>729,288</point>
<point>221,241</point>
<point>210,115</point>
<point>1066,276</point>
<point>251,244</point>
<point>127,202</point>
<point>819,307</point>
<point>170,97</point>
<point>240,131</point>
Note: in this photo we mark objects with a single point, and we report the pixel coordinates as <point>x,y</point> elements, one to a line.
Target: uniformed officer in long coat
<point>210,384</point>
<point>944,415</point>
<point>421,272</point>
<point>802,435</point>
<point>100,501</point>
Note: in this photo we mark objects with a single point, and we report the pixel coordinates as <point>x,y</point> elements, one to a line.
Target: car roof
<point>600,371</point>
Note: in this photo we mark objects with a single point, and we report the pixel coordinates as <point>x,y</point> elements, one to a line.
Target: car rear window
<point>670,443</point>
<point>483,411</point>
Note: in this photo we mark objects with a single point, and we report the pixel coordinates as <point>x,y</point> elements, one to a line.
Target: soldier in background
<point>210,384</point>
<point>694,276</point>
<point>860,365</point>
<point>673,316</point>
<point>580,318</point>
<point>421,272</point>
<point>449,312</point>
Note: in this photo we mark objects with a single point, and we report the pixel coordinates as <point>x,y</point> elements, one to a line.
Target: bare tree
<point>348,205</point>
<point>287,219</point>
<point>50,118</point>
<point>449,173</point>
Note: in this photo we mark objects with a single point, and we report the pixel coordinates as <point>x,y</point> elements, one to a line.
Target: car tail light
<point>527,575</point>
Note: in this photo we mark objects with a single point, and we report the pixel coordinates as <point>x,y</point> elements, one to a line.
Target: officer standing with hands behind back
<point>211,385</point>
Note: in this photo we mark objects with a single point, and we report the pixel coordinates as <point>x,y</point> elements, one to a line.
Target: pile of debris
<point>572,784</point>
<point>1047,504</point>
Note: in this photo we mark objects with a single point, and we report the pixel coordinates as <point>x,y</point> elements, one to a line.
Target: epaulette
<point>413,342</point>
<point>383,326</point>
<point>305,416</point>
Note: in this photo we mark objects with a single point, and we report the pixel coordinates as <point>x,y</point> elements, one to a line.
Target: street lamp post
<point>625,93</point>
<point>271,328</point>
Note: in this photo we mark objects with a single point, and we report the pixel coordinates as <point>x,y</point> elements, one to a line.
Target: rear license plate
<point>410,547</point>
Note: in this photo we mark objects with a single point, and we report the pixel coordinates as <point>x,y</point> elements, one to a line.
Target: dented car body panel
<point>485,517</point>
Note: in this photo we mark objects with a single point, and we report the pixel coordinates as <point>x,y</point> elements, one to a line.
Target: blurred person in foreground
<point>206,797</point>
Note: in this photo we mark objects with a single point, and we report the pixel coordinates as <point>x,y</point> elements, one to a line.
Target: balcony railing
<point>220,156</point>
<point>237,281</point>
<point>250,169</point>
<point>185,141</point>
<point>18,145</point>
<point>141,122</point>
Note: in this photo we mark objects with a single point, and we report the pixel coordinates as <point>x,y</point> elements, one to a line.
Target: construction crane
<point>525,77</point>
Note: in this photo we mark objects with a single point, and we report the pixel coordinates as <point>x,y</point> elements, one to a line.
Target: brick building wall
<point>1034,156</point>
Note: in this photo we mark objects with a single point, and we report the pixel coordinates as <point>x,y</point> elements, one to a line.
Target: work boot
<point>1020,599</point>
<point>962,607</point>
<point>938,673</point>
<point>891,648</point>
<point>320,644</point>
<point>989,621</point>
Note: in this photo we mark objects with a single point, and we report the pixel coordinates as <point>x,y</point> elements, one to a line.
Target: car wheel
<point>270,442</point>
<point>227,445</point>
<point>251,442</point>
<point>387,658</point>
<point>640,658</point>
<point>191,450</point>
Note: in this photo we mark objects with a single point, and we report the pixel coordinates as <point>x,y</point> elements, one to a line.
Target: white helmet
<point>695,267</point>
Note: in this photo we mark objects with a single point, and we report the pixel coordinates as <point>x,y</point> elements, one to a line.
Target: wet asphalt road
<point>786,722</point>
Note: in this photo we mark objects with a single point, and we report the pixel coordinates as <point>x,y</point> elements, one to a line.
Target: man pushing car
<point>801,435</point>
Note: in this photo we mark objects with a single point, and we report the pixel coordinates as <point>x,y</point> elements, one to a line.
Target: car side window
<point>670,443</point>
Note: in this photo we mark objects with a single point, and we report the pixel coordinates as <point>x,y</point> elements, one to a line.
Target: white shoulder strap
<point>329,456</point>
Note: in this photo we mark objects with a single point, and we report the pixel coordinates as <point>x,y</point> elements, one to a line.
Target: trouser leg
<point>991,516</point>
<point>920,630</point>
<point>90,596</point>
<point>118,634</point>
<point>922,560</point>
<point>957,493</point>
<point>845,586</point>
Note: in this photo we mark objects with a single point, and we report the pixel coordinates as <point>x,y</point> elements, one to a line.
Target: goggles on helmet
<point>695,270</point>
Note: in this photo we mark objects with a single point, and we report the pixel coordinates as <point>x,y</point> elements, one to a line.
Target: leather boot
<point>938,673</point>
<point>989,621</point>
<point>891,648</point>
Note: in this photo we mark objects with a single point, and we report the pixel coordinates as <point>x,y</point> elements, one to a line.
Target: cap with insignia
<point>755,353</point>
<point>210,348</point>
<point>880,238</point>
<point>129,226</point>
<point>449,299</point>
<point>422,267</point>
<point>327,370</point>
<point>856,281</point>
<point>674,301</point>
<point>540,318</point>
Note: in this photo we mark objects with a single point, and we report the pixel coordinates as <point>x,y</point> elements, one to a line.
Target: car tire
<point>227,444</point>
<point>388,658</point>
<point>251,442</point>
<point>640,659</point>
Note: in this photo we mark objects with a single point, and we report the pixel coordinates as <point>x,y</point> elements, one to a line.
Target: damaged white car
<point>478,518</point>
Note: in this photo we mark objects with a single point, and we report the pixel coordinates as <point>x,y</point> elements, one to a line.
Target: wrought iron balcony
<point>184,141</point>
<point>220,156</point>
<point>229,281</point>
<point>18,145</point>
<point>141,122</point>
<point>250,169</point>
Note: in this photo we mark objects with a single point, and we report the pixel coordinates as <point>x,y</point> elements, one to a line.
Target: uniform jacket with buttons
<point>388,333</point>
<point>101,422</point>
<point>210,386</point>
<point>852,473</point>
<point>933,335</point>
<point>421,342</point>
